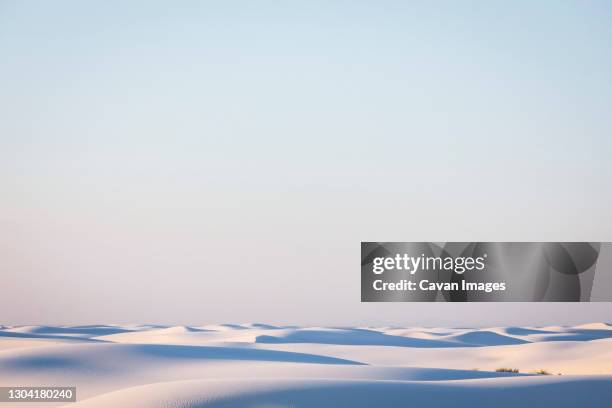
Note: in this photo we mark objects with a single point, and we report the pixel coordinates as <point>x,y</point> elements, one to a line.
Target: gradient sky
<point>196,162</point>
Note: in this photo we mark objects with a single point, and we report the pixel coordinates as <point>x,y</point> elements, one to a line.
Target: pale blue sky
<point>221,161</point>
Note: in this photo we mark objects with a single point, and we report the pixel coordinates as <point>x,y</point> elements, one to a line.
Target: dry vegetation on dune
<point>507,370</point>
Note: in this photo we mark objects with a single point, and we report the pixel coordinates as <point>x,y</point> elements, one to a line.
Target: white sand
<point>258,365</point>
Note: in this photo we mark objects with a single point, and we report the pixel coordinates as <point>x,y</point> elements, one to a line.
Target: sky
<point>197,162</point>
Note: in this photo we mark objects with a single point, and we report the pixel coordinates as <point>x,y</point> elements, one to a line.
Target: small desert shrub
<point>507,370</point>
<point>542,372</point>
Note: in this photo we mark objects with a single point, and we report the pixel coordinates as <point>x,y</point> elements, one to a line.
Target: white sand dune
<point>71,331</point>
<point>258,365</point>
<point>349,337</point>
<point>483,338</point>
<point>541,392</point>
